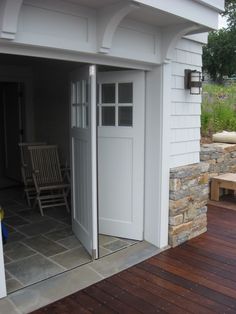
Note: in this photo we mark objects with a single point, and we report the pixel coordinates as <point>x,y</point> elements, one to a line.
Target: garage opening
<point>36,107</point>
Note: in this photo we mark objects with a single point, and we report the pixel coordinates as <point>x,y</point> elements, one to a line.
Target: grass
<point>218,109</point>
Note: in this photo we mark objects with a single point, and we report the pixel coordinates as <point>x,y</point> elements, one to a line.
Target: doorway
<point>54,121</point>
<point>39,247</point>
<point>12,128</point>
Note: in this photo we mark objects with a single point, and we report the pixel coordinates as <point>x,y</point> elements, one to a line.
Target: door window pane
<point>73,105</point>
<point>108,116</point>
<point>108,93</point>
<point>125,116</point>
<point>79,112</point>
<point>86,116</point>
<point>79,92</point>
<point>125,92</point>
<point>73,91</point>
<point>86,91</point>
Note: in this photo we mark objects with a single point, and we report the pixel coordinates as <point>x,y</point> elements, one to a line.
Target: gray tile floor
<point>41,247</point>
<point>57,287</point>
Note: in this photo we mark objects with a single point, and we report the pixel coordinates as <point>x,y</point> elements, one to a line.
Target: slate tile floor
<point>40,247</point>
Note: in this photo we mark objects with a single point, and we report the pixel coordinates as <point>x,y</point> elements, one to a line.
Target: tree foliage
<point>230,13</point>
<point>219,58</point>
<point>219,55</point>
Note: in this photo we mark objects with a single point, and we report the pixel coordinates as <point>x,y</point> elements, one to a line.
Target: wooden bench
<point>224,181</point>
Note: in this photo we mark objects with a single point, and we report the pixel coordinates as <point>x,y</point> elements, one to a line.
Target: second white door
<point>121,111</point>
<point>84,157</point>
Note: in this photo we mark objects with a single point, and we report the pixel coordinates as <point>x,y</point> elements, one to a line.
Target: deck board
<point>196,277</point>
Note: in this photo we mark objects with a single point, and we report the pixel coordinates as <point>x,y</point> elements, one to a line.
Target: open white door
<point>84,157</point>
<point>121,107</point>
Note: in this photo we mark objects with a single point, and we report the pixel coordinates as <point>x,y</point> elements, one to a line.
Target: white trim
<point>217,5</point>
<point>67,55</point>
<point>152,156</point>
<point>164,165</point>
<point>93,82</point>
<point>157,157</point>
<point>3,289</point>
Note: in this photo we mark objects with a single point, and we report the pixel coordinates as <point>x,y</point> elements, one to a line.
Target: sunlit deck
<point>197,277</point>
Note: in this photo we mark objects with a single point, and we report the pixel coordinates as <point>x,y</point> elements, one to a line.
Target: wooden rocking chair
<point>26,171</point>
<point>51,191</point>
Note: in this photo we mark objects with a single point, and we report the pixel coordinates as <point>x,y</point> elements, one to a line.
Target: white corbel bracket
<point>108,19</point>
<point>9,14</point>
<point>171,35</point>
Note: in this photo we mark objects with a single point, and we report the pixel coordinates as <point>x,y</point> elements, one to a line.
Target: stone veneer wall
<point>220,157</point>
<point>188,197</point>
<point>189,191</point>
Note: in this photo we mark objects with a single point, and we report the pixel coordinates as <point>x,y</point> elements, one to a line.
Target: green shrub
<point>218,109</point>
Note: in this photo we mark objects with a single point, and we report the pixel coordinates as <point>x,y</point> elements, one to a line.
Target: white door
<point>84,157</point>
<point>121,111</point>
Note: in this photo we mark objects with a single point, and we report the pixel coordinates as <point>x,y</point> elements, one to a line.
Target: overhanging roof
<point>203,12</point>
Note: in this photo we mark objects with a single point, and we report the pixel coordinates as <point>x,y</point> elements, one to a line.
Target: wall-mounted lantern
<point>193,81</point>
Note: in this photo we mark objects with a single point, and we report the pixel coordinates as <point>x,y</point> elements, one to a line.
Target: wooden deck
<point>197,277</point>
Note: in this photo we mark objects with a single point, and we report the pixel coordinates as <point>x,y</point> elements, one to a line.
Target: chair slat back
<point>45,164</point>
<point>25,158</point>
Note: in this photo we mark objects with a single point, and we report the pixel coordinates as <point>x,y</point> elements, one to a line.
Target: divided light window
<point>80,99</point>
<point>115,104</point>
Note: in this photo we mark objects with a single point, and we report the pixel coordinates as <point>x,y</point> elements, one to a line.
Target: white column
<point>157,156</point>
<point>92,74</point>
<point>165,154</point>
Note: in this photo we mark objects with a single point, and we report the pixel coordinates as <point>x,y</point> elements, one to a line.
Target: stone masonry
<point>189,191</point>
<point>221,158</point>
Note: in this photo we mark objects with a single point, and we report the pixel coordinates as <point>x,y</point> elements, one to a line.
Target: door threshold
<point>52,289</point>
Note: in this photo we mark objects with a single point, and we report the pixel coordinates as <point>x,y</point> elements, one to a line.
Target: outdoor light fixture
<point>193,81</point>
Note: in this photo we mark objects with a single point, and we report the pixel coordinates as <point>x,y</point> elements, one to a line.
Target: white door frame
<point>93,77</point>
<point>157,155</point>
<point>3,288</point>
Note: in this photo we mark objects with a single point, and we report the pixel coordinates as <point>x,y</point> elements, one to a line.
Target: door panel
<point>113,147</point>
<point>121,153</point>
<point>84,156</point>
